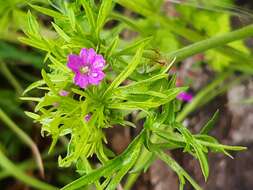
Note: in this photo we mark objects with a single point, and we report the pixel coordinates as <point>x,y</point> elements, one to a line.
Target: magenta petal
<point>74,62</point>
<point>184,96</point>
<point>81,80</point>
<point>88,55</point>
<point>91,55</point>
<point>63,93</point>
<point>98,62</point>
<point>87,67</point>
<point>87,117</point>
<point>84,54</point>
<point>95,76</point>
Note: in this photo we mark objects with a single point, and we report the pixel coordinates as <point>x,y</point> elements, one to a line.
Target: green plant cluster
<point>137,81</point>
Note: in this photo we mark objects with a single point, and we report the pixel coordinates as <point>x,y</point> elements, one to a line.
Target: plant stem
<point>215,88</point>
<point>10,37</point>
<point>176,167</point>
<point>6,72</point>
<point>17,173</point>
<point>25,166</point>
<point>189,51</point>
<point>21,57</point>
<point>29,164</point>
<point>210,43</point>
<point>145,156</point>
<point>184,53</point>
<point>194,36</point>
<point>201,95</point>
<point>25,138</point>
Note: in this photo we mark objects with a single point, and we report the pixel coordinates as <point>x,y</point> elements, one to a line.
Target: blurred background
<point>22,148</point>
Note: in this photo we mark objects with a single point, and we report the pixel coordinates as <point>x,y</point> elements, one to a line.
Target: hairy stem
<point>210,43</point>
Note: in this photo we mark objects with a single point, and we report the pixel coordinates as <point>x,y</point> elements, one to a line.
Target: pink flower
<point>87,117</point>
<point>63,93</point>
<point>88,67</point>
<point>185,96</point>
<point>55,104</point>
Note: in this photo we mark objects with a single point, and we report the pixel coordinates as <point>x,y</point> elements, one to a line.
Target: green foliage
<point>136,82</point>
<point>212,23</point>
<point>220,58</point>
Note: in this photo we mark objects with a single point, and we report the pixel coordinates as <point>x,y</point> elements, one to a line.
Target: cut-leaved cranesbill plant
<point>96,78</point>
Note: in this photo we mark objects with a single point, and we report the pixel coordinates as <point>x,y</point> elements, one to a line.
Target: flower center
<point>84,70</point>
